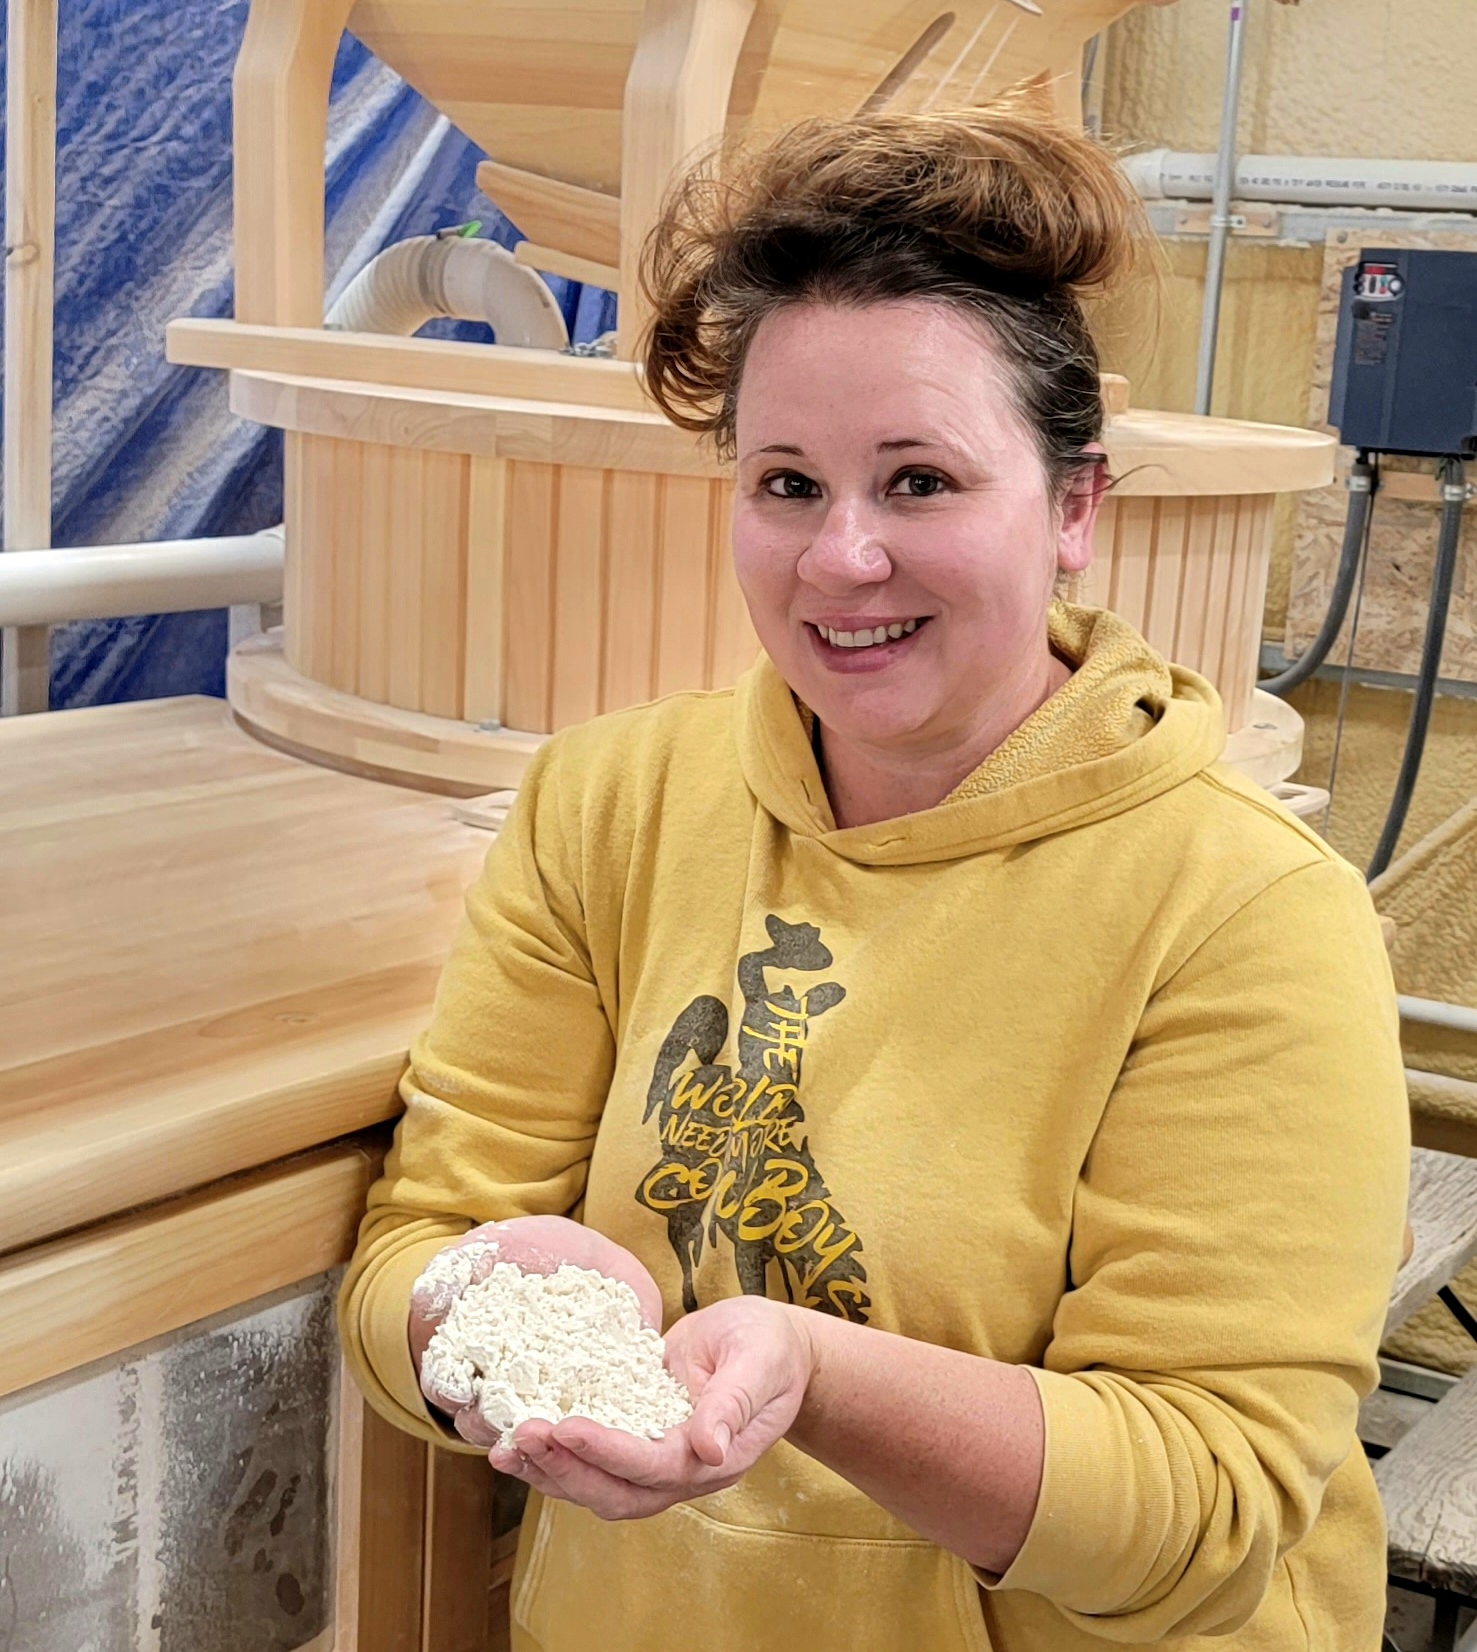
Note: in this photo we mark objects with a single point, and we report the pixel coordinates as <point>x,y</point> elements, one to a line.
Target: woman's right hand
<point>536,1244</point>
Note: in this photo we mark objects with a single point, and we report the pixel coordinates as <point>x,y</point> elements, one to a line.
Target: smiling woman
<point>999,1102</point>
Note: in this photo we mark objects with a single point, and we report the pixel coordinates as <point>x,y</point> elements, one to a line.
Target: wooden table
<point>214,954</point>
<point>215,958</point>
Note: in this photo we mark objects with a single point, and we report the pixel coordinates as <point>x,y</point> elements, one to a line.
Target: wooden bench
<point>1428,1477</point>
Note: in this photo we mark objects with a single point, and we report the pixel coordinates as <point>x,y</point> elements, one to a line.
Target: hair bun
<point>1006,185</point>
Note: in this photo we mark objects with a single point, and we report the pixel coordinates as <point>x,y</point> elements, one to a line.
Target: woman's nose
<point>846,551</point>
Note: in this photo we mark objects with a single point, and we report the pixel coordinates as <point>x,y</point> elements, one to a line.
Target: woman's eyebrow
<point>777,447</point>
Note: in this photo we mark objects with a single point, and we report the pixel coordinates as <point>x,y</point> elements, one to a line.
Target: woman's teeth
<point>868,639</point>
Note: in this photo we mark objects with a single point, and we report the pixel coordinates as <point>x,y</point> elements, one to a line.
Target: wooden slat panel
<point>1235,672</point>
<point>1189,648</point>
<point>529,610</point>
<point>443,583</point>
<point>629,675</point>
<point>1133,560</point>
<point>682,599</point>
<point>578,589</point>
<point>407,548</point>
<point>392,1530</point>
<point>1162,597</point>
<point>67,1303</point>
<point>376,554</point>
<point>456,1611</point>
<point>295,587</point>
<point>735,645</point>
<point>487,528</point>
<point>1217,588</point>
<point>341,516</point>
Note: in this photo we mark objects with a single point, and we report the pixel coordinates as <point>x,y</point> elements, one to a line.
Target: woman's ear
<point>1085,493</point>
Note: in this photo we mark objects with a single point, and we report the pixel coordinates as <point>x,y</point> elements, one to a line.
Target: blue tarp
<point>144,450</point>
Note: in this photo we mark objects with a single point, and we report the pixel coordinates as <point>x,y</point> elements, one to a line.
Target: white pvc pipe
<point>1419,186</point>
<point>173,576</point>
<point>1430,1012</point>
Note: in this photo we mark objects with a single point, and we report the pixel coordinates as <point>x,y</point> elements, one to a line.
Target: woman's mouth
<point>874,644</point>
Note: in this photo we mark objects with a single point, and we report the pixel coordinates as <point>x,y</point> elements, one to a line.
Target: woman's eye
<point>789,484</point>
<point>919,484</point>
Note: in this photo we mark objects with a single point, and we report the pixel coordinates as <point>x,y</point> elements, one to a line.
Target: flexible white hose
<point>417,280</point>
<point>1296,180</point>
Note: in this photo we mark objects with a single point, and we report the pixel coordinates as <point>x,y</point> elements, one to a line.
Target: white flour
<point>567,1344</point>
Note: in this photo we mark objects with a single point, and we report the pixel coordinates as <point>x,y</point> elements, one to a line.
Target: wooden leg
<point>392,1521</point>
<point>456,1603</point>
<point>676,100</point>
<point>1444,1624</point>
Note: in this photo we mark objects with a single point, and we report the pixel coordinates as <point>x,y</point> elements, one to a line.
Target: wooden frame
<point>30,275</point>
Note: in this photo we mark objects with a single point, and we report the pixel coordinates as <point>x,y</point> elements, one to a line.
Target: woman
<point>1005,1099</point>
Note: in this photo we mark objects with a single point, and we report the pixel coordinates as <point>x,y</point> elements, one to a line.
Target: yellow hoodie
<point>1094,1068</point>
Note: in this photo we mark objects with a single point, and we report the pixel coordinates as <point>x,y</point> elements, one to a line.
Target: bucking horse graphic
<point>735,1159</point>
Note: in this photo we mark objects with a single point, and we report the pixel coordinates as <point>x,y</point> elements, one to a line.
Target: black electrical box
<point>1405,364</point>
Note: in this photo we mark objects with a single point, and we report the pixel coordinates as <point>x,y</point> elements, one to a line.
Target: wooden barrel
<point>469,574</point>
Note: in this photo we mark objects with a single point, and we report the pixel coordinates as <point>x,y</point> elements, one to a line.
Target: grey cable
<point>1363,483</point>
<point>1453,500</point>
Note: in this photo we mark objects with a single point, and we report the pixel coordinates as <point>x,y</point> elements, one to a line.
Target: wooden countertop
<point>214,954</point>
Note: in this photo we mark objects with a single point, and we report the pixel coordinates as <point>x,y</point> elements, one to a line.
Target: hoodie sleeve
<point>1237,1229</point>
<point>504,1092</point>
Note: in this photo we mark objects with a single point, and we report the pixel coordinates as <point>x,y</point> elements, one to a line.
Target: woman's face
<point>888,487</point>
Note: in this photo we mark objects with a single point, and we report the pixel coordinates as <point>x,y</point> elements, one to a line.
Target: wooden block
<point>550,261</point>
<point>413,363</point>
<point>1428,1483</point>
<point>488,812</point>
<point>67,1303</point>
<point>1443,1216</point>
<point>584,223</point>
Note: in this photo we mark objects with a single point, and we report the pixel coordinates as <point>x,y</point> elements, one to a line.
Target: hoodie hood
<point>1125,728</point>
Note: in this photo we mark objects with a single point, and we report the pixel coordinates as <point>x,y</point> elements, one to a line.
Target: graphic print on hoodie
<point>734,1156</point>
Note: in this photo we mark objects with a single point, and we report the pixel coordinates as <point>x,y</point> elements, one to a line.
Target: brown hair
<point>1001,210</point>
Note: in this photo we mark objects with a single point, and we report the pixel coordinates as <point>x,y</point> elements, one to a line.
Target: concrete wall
<point>177,1499</point>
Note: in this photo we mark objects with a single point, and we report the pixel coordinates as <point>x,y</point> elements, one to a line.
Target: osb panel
<point>1402,550</point>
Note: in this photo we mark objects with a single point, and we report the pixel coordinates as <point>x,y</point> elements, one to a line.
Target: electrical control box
<point>1405,363</point>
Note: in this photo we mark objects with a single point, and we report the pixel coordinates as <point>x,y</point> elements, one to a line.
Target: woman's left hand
<point>746,1363</point>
